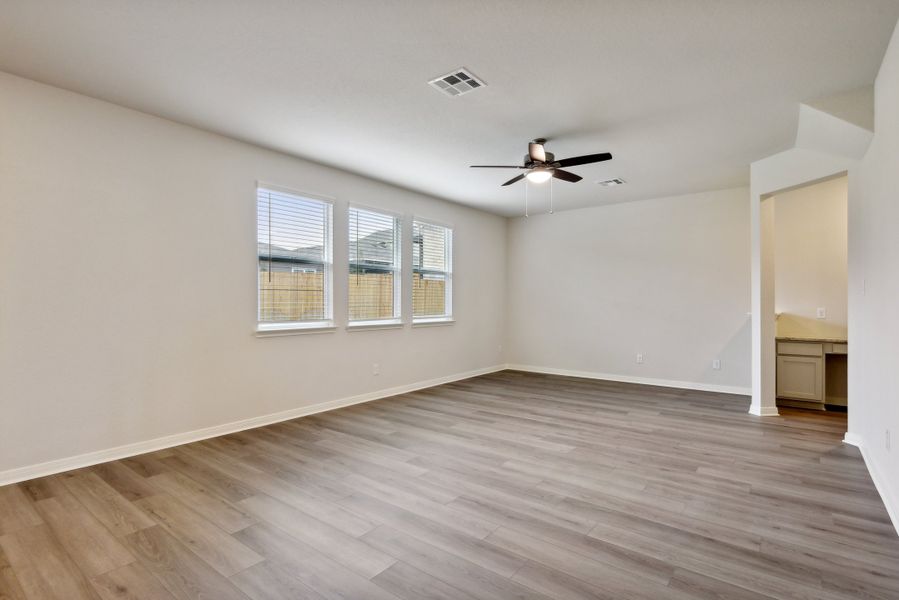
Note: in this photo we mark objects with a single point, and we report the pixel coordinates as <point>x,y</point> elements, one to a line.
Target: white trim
<point>432,321</point>
<point>328,253</point>
<point>852,440</point>
<point>688,385</point>
<point>376,324</point>
<point>93,458</point>
<point>767,411</point>
<point>276,329</point>
<point>377,209</point>
<point>889,502</point>
<point>430,221</point>
<point>294,192</point>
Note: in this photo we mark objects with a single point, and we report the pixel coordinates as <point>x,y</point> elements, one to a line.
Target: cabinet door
<point>800,378</point>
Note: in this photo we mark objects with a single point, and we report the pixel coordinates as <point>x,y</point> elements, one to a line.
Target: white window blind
<point>432,271</point>
<point>374,266</point>
<point>293,236</point>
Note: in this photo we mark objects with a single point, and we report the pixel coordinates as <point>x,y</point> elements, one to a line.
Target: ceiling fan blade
<point>495,167</point>
<point>584,160</point>
<point>536,152</point>
<point>566,176</point>
<point>514,179</point>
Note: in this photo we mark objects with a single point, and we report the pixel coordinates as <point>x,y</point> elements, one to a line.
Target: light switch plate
<point>822,313</point>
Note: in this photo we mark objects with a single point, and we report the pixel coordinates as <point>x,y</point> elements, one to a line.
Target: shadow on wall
<point>734,356</point>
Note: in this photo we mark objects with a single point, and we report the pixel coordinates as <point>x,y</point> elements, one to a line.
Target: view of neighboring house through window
<point>294,253</point>
<point>374,266</point>
<point>432,272</point>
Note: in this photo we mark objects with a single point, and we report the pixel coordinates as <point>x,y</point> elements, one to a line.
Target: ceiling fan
<point>541,165</point>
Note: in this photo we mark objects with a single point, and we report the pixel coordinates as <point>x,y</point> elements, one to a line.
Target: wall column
<point>763,323</point>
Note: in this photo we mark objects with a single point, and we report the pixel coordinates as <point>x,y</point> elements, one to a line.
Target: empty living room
<point>450,300</point>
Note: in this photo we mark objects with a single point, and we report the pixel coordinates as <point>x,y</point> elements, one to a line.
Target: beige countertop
<point>818,340</point>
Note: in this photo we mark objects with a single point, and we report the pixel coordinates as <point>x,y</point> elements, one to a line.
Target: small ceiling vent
<point>612,182</point>
<point>457,83</point>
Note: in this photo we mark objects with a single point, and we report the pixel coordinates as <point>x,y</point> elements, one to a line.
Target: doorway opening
<point>809,234</point>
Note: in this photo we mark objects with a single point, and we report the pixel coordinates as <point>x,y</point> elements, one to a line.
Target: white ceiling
<point>684,93</point>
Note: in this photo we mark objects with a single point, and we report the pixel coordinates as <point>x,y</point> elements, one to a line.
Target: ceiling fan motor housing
<point>550,157</point>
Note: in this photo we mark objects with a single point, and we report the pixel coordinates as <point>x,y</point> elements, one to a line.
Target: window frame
<point>325,324</point>
<point>398,272</point>
<point>448,316</point>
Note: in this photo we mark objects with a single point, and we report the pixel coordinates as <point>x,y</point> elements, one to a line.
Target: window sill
<point>433,322</point>
<point>278,329</point>
<point>369,325</point>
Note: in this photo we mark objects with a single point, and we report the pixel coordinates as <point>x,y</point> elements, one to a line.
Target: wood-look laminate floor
<point>509,485</point>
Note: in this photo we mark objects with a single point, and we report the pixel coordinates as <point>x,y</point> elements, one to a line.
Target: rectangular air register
<point>457,83</point>
<point>612,182</point>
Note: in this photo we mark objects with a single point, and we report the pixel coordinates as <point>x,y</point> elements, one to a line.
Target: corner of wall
<point>504,336</point>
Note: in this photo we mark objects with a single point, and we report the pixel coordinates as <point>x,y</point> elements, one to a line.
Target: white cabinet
<point>800,378</point>
<point>811,373</point>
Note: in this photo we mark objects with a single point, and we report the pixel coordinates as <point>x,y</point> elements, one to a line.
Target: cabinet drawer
<point>800,348</point>
<point>839,349</point>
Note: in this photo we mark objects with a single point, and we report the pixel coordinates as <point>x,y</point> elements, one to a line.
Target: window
<point>432,272</point>
<point>293,235</point>
<point>374,257</point>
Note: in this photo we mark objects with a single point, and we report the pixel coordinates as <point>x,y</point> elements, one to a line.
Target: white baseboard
<point>686,385</point>
<point>99,456</point>
<point>889,501</point>
<point>763,411</point>
<point>852,440</point>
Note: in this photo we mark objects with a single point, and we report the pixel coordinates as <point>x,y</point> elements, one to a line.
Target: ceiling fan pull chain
<point>550,196</point>
<point>526,186</point>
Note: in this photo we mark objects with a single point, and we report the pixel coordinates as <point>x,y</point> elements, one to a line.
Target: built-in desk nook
<point>811,373</point>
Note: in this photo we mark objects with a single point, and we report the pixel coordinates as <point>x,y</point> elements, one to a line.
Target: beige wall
<point>668,278</point>
<point>810,260</point>
<point>128,270</point>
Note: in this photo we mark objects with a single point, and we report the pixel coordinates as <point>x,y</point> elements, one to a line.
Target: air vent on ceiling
<point>457,83</point>
<point>612,182</point>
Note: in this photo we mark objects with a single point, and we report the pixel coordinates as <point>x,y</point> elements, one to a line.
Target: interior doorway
<point>810,263</point>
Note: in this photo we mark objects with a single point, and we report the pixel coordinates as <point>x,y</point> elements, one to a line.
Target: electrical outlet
<point>639,358</point>
<point>716,364</point>
<point>375,369</point>
<point>822,313</point>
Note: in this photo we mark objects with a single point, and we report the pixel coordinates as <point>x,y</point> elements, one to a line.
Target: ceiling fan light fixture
<point>540,165</point>
<point>539,175</point>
